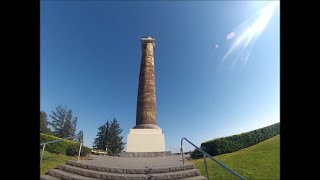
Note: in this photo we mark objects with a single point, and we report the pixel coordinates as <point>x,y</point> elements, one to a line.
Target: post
<point>42,153</point>
<point>79,151</point>
<point>182,152</point>
<point>205,164</point>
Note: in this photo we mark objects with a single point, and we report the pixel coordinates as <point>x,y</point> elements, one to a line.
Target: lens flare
<point>248,31</point>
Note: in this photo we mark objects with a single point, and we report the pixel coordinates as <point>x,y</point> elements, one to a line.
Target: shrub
<point>85,151</point>
<point>196,154</point>
<point>236,142</point>
<point>66,147</point>
<point>73,150</point>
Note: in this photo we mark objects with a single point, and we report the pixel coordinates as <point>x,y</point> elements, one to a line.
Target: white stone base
<point>145,140</point>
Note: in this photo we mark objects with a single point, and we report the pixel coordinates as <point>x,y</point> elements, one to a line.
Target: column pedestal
<point>145,140</point>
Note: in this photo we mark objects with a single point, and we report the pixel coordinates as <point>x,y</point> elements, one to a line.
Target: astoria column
<point>146,101</point>
<point>146,138</point>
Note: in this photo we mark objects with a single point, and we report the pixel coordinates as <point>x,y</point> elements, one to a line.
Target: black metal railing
<point>45,143</point>
<point>210,157</point>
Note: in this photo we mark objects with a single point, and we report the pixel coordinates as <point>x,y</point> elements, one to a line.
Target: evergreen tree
<point>80,136</point>
<point>44,123</point>
<point>100,142</point>
<point>63,123</point>
<point>115,144</point>
<point>107,135</point>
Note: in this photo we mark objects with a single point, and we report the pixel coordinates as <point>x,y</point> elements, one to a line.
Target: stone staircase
<point>86,170</point>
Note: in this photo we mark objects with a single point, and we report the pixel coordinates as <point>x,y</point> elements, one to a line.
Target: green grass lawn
<point>261,161</point>
<point>52,160</point>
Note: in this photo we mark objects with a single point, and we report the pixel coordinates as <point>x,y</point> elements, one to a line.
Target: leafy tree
<point>63,123</point>
<point>44,123</point>
<point>115,144</point>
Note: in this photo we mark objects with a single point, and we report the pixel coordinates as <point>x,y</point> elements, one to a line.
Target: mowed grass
<point>52,160</point>
<point>261,161</point>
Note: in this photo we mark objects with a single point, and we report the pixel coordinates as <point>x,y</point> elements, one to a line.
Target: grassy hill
<point>260,161</point>
<point>52,160</point>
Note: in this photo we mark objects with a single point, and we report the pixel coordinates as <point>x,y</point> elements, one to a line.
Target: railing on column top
<point>213,159</point>
<point>45,143</point>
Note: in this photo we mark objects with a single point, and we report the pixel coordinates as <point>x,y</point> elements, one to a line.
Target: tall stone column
<point>146,138</point>
<point>146,101</point>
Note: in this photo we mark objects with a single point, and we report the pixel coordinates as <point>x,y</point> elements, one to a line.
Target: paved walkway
<point>134,162</point>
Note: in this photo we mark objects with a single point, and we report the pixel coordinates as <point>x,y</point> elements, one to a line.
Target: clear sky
<point>217,64</point>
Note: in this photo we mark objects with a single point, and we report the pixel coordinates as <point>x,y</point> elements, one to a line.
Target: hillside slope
<point>260,161</point>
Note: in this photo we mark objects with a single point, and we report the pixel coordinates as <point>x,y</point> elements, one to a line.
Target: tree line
<point>63,124</point>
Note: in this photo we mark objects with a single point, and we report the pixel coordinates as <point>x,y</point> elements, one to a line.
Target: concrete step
<point>149,170</point>
<point>60,174</point>
<point>48,177</point>
<point>66,175</point>
<point>101,175</point>
<point>196,178</point>
<point>108,175</point>
<point>175,175</point>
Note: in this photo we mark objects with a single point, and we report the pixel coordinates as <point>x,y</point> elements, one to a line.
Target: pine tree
<point>115,144</point>
<point>44,123</point>
<point>63,123</point>
<point>107,135</point>
<point>100,142</point>
<point>80,136</point>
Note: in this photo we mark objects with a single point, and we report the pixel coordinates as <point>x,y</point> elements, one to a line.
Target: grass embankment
<point>260,161</point>
<point>52,160</point>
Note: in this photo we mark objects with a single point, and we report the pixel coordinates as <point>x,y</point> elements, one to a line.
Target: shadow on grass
<point>46,158</point>
<point>195,158</point>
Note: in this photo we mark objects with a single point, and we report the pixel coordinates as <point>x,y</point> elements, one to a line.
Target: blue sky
<point>90,58</point>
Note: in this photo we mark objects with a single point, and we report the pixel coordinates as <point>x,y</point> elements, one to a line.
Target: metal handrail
<point>58,140</point>
<point>213,159</point>
<point>45,143</point>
